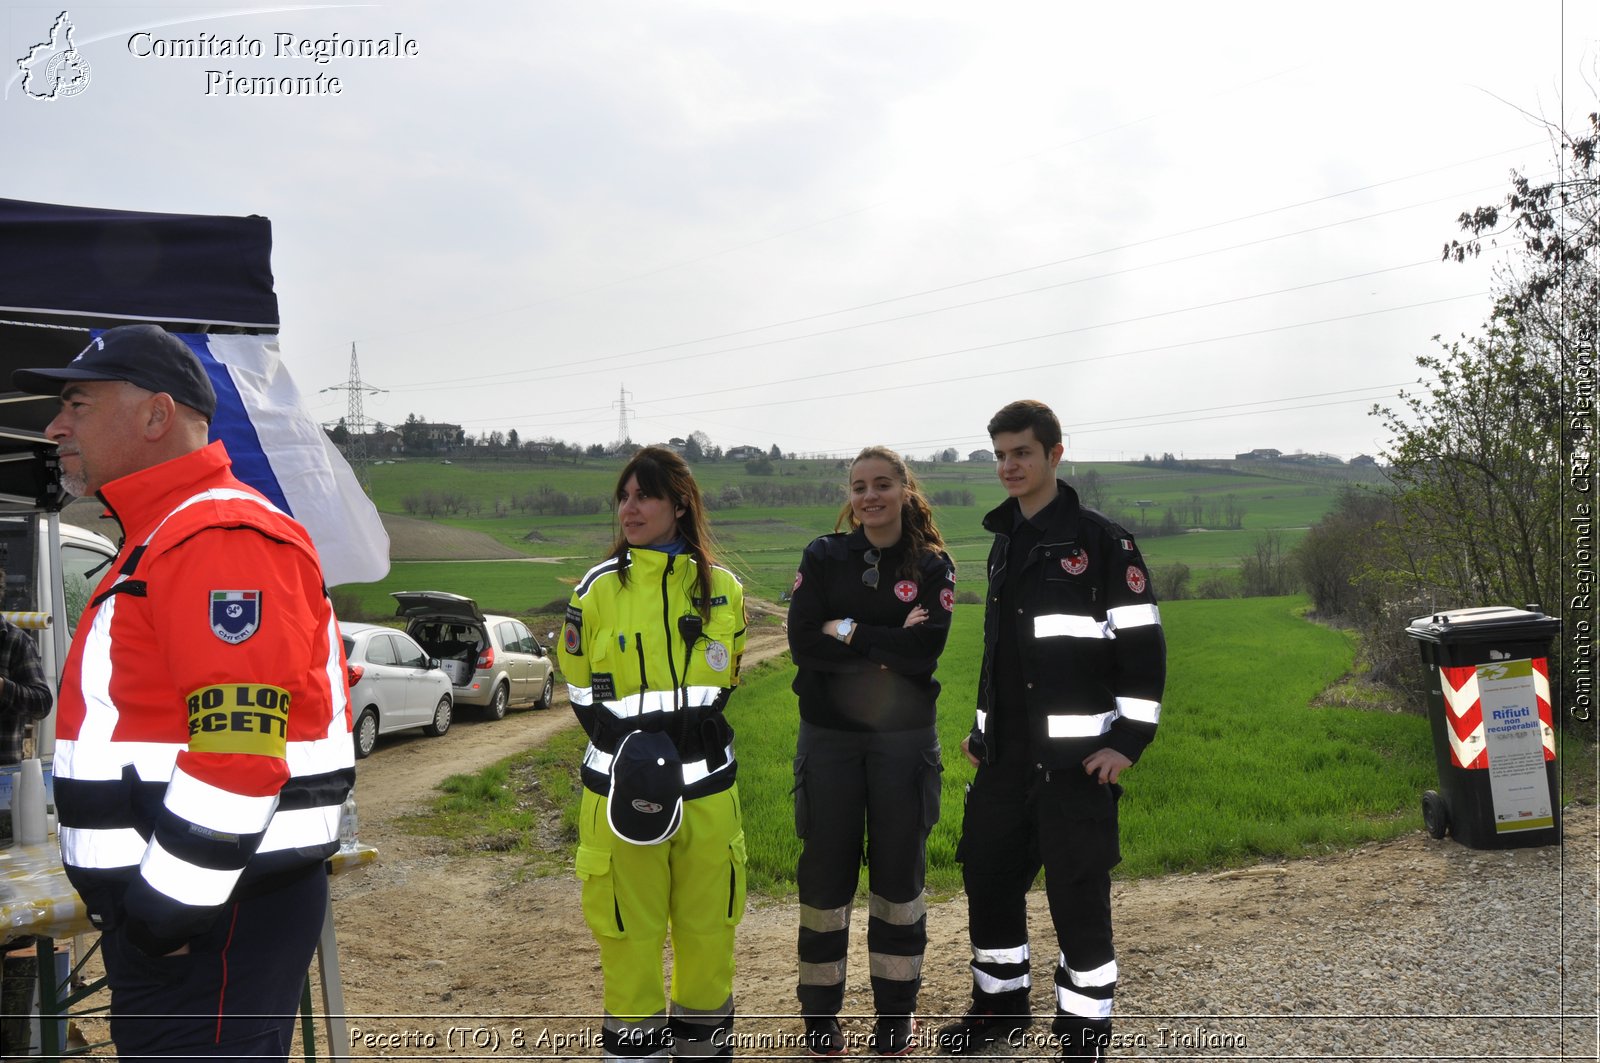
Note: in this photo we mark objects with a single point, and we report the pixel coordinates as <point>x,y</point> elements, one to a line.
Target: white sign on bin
<point>1514,735</point>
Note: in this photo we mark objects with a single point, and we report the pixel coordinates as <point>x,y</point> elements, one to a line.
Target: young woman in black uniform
<point>869,614</point>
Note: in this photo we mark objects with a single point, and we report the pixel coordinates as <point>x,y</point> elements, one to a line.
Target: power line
<point>1368,393</point>
<point>1157,315</point>
<point>932,291</point>
<point>809,377</point>
<point>592,364</point>
<point>904,385</point>
<point>1254,407</point>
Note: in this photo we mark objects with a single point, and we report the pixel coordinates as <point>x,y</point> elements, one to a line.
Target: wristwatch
<point>843,629</point>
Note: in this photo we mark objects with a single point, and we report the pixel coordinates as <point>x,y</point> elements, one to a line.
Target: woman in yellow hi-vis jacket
<point>650,651</point>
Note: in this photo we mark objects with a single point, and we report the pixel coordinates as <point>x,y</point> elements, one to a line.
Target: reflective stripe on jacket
<point>1092,650</point>
<point>639,656</point>
<point>203,738</point>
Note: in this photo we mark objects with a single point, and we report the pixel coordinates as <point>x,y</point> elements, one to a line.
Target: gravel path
<point>1413,949</point>
<point>1408,949</point>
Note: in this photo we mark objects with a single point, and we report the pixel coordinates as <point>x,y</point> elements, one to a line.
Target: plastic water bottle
<point>28,822</point>
<point>347,824</point>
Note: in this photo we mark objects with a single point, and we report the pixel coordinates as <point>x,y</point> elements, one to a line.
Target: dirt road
<point>463,957</point>
<point>452,957</point>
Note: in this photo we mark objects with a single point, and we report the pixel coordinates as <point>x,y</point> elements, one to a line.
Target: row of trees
<point>1197,512</point>
<point>1224,514</point>
<point>1490,455</point>
<point>418,435</point>
<point>547,501</point>
<point>1267,571</point>
<point>1490,489</point>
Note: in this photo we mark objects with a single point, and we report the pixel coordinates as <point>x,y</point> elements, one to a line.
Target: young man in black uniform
<point>1070,693</point>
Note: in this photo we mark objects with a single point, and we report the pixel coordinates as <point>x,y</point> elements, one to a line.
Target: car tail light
<point>486,658</point>
<point>353,673</point>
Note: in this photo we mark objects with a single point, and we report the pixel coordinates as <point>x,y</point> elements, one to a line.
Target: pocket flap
<point>592,861</point>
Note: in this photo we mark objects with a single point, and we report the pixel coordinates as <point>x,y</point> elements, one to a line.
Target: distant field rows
<point>763,542</point>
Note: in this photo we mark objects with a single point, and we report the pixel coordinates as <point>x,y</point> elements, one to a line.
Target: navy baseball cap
<point>645,804</point>
<point>146,355</point>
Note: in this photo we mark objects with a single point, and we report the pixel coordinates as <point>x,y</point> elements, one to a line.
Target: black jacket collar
<point>1063,520</point>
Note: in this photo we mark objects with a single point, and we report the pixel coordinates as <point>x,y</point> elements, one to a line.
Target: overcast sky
<point>1190,227</point>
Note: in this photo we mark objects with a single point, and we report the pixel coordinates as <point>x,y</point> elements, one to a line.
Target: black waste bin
<point>1493,733</point>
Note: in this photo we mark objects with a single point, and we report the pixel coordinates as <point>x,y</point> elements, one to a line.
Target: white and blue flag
<point>279,450</point>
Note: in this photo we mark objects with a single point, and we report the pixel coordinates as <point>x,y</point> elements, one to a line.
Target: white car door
<point>421,693</point>
<point>389,683</point>
<point>511,634</point>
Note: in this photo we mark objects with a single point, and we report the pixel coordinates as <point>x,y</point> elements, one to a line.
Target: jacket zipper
<point>988,679</point>
<point>666,627</point>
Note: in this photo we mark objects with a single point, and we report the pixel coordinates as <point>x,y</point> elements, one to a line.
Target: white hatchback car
<point>394,686</point>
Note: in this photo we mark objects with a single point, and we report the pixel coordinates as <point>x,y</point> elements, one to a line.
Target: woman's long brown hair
<point>664,474</point>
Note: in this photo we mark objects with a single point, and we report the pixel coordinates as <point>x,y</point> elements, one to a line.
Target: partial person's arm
<point>736,603</point>
<point>572,657</point>
<point>1139,657</point>
<point>811,642</point>
<point>24,692</point>
<point>915,649</point>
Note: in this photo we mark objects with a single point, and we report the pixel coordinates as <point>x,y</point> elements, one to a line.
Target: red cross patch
<point>906,591</point>
<point>797,577</point>
<point>1136,580</point>
<point>947,598</point>
<point>1076,563</point>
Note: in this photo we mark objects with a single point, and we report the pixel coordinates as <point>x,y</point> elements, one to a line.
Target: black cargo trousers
<point>878,790</point>
<point>1020,818</point>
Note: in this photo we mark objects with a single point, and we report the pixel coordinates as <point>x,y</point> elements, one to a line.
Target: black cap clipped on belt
<point>646,795</point>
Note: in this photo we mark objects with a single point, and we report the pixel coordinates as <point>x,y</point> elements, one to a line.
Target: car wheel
<point>549,692</point>
<point>441,719</point>
<point>366,733</point>
<point>500,702</point>
<point>1435,814</point>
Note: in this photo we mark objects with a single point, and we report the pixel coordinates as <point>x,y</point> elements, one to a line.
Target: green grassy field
<point>515,588</point>
<point>763,542</point>
<point>1242,768</point>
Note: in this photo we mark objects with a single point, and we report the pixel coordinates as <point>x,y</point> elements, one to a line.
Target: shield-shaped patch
<point>235,615</point>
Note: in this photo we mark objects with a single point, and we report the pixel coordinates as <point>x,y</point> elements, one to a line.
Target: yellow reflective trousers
<point>692,886</point>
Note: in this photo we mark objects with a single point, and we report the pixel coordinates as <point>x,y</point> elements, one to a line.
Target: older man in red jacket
<point>203,740</point>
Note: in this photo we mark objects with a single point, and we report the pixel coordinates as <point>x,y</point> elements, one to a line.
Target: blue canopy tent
<point>99,265</point>
<point>68,272</point>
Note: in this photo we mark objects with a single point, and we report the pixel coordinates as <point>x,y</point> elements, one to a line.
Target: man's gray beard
<point>74,485</point>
